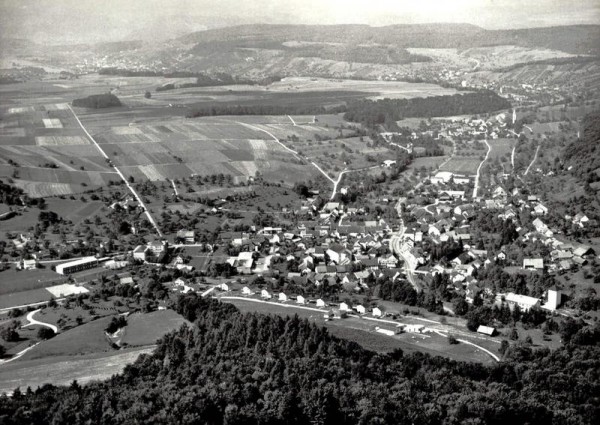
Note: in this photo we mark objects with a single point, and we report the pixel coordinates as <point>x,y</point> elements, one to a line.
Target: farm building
<point>441,177</point>
<point>320,303</point>
<point>361,309</point>
<point>377,312</point>
<point>486,330</point>
<point>140,251</point>
<point>77,265</point>
<point>246,291</point>
<point>385,331</point>
<point>223,287</point>
<point>265,294</point>
<point>283,297</point>
<point>300,300</point>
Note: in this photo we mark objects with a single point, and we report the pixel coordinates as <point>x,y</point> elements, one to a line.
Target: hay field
<point>462,165</point>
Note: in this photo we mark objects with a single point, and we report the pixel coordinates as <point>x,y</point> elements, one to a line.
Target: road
<point>146,211</point>
<point>532,161</point>
<point>175,188</point>
<point>476,188</point>
<point>32,321</point>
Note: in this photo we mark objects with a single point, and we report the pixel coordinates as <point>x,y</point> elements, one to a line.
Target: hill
<point>236,368</point>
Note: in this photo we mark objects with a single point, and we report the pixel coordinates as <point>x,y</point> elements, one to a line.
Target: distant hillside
<point>576,39</point>
<point>583,155</point>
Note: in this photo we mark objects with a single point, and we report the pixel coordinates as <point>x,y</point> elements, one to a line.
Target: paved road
<point>146,211</point>
<point>32,321</point>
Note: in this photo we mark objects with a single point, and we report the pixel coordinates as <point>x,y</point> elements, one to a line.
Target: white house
<point>224,287</point>
<point>533,263</point>
<point>264,294</point>
<point>283,297</point>
<point>320,303</point>
<point>300,299</point>
<point>345,307</point>
<point>246,291</point>
<point>360,309</point>
<point>486,330</point>
<point>377,312</point>
<point>523,301</point>
<point>27,264</point>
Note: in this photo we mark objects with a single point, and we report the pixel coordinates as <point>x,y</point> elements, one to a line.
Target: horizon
<point>90,21</point>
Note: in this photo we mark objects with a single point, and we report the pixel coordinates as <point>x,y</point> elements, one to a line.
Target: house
<point>158,247</point>
<point>388,163</point>
<point>320,303</point>
<point>377,312</point>
<point>338,254</point>
<point>580,219</point>
<point>140,252</point>
<point>486,330</point>
<point>187,236</point>
<point>441,177</point>
<point>30,264</point>
<point>300,300</point>
<point>126,280</point>
<point>533,264</point>
<point>224,287</point>
<point>345,307</point>
<point>361,309</point>
<point>524,302</point>
<point>582,251</point>
<point>283,297</point>
<point>264,294</point>
<point>539,209</point>
<point>389,261</point>
<point>246,291</point>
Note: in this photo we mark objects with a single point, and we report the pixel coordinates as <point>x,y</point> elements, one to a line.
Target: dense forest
<point>359,54</point>
<point>584,153</point>
<point>234,368</point>
<point>97,101</point>
<point>216,110</point>
<point>388,111</point>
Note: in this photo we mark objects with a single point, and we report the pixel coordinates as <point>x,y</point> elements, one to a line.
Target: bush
<point>452,340</point>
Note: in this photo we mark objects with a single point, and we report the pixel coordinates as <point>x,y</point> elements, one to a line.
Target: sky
<point>72,21</point>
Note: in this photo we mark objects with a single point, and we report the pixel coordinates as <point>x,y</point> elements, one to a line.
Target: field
<point>18,281</point>
<point>145,329</point>
<point>45,152</point>
<point>462,165</point>
<point>63,370</point>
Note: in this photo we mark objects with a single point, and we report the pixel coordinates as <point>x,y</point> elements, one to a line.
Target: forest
<point>98,101</point>
<point>217,110</point>
<point>584,153</point>
<point>234,368</point>
<point>388,111</point>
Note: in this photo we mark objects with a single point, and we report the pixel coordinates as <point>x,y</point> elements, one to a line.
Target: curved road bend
<point>32,321</point>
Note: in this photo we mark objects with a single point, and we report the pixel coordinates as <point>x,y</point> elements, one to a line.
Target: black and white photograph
<point>289,212</point>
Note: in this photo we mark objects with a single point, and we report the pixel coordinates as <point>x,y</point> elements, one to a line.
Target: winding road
<point>32,321</point>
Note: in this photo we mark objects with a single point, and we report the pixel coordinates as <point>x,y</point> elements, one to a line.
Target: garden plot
<point>65,290</point>
<point>20,110</point>
<point>12,132</point>
<point>43,189</point>
<point>462,165</point>
<point>52,123</point>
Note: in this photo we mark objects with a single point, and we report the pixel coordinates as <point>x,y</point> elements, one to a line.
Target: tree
<point>452,340</point>
<point>514,335</point>
<point>503,346</point>
<point>147,95</point>
<point>45,333</point>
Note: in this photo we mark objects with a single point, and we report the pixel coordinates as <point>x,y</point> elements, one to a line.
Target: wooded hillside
<point>234,368</point>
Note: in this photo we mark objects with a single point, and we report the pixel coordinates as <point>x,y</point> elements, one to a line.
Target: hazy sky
<point>86,20</point>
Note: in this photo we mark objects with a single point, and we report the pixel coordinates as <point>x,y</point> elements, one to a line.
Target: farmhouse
<point>300,300</point>
<point>377,312</point>
<point>283,297</point>
<point>77,265</point>
<point>486,330</point>
<point>27,264</point>
<point>442,177</point>
<point>265,294</point>
<point>188,236</point>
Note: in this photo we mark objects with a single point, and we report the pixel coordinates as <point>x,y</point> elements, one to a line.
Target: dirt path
<point>146,211</point>
<point>476,188</point>
<point>532,161</point>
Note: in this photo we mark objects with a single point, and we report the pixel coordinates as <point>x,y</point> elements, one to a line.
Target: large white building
<point>523,301</point>
<point>77,265</point>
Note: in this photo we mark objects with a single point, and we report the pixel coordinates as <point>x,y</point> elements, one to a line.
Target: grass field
<point>12,281</point>
<point>463,165</point>
<point>145,329</point>
<point>63,370</point>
